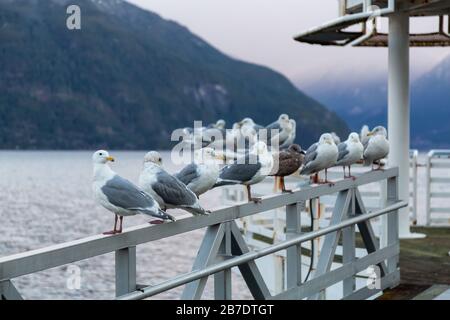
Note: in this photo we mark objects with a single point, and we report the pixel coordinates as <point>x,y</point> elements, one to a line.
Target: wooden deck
<point>424,263</point>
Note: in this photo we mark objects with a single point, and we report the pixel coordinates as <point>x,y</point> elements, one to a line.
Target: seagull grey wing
<point>188,174</point>
<point>343,151</point>
<point>275,125</point>
<point>123,194</point>
<point>173,191</point>
<point>311,153</point>
<point>240,172</point>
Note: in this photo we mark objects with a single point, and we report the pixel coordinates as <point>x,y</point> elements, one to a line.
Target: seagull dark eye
<point>101,154</point>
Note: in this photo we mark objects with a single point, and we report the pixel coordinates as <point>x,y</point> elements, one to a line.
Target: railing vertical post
<point>294,253</point>
<point>393,220</point>
<point>222,280</point>
<point>414,187</point>
<point>428,189</point>
<point>125,271</point>
<point>348,248</point>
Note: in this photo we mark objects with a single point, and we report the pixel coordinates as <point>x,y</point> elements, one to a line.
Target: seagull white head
<point>207,155</point>
<point>153,157</point>
<point>326,138</point>
<point>259,148</point>
<point>380,130</point>
<point>102,157</point>
<point>236,126</point>
<point>246,122</point>
<point>220,124</point>
<point>353,137</point>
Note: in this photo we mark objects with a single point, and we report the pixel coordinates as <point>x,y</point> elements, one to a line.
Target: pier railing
<point>438,182</point>
<point>223,248</point>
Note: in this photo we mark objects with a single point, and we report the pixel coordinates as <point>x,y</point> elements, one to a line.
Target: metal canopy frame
<point>224,248</point>
<point>361,12</point>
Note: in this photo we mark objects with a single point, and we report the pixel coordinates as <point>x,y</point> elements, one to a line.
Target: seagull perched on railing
<point>377,147</point>
<point>253,168</point>
<point>292,135</point>
<point>201,175</point>
<point>320,156</point>
<point>119,195</point>
<point>289,161</point>
<point>284,131</point>
<point>167,190</point>
<point>350,152</point>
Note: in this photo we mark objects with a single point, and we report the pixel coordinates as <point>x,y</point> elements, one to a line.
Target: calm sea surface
<point>46,199</point>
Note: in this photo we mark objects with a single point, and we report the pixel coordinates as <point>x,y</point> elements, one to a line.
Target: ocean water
<point>46,199</point>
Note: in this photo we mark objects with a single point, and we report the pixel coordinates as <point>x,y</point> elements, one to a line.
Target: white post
<point>399,113</point>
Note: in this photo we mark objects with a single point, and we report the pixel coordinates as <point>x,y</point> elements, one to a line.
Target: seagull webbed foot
<point>111,233</point>
<point>256,200</point>
<point>156,222</point>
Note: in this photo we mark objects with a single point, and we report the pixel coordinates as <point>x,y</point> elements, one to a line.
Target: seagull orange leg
<point>284,186</point>
<point>121,225</point>
<point>113,232</point>
<point>250,198</point>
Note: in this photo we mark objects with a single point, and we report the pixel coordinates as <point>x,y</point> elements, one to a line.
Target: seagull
<point>119,195</point>
<point>250,170</point>
<point>166,189</point>
<point>284,129</point>
<point>248,122</point>
<point>292,135</point>
<point>202,175</point>
<point>363,135</point>
<point>220,124</point>
<point>289,161</point>
<point>320,156</point>
<point>377,147</point>
<point>249,137</point>
<point>336,138</point>
<point>282,120</point>
<point>350,152</point>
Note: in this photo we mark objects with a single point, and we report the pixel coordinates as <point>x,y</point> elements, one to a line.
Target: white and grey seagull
<point>167,190</point>
<point>119,195</point>
<point>350,152</point>
<point>201,175</point>
<point>320,156</point>
<point>253,168</point>
<point>377,147</point>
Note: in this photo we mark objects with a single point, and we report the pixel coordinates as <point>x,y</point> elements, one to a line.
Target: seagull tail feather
<point>166,216</point>
<point>196,210</point>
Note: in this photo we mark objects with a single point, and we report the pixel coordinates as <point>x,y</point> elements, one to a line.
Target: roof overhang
<point>357,12</point>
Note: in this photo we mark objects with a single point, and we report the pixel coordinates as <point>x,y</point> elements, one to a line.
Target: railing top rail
<point>61,254</point>
<point>439,153</point>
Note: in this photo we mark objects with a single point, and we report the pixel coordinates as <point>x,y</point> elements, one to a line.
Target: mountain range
<point>363,100</point>
<point>127,79</point>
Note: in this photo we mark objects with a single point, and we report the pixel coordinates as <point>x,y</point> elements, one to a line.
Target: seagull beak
<point>110,159</point>
<point>370,134</point>
<point>220,156</point>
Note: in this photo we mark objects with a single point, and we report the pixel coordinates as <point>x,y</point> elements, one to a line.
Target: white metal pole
<point>399,110</point>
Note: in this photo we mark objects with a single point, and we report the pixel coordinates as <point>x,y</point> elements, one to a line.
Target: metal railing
<point>438,184</point>
<point>223,248</point>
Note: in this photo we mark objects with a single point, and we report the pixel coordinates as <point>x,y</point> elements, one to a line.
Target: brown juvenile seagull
<point>289,161</point>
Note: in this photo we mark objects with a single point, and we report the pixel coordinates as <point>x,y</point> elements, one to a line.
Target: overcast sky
<point>261,31</point>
